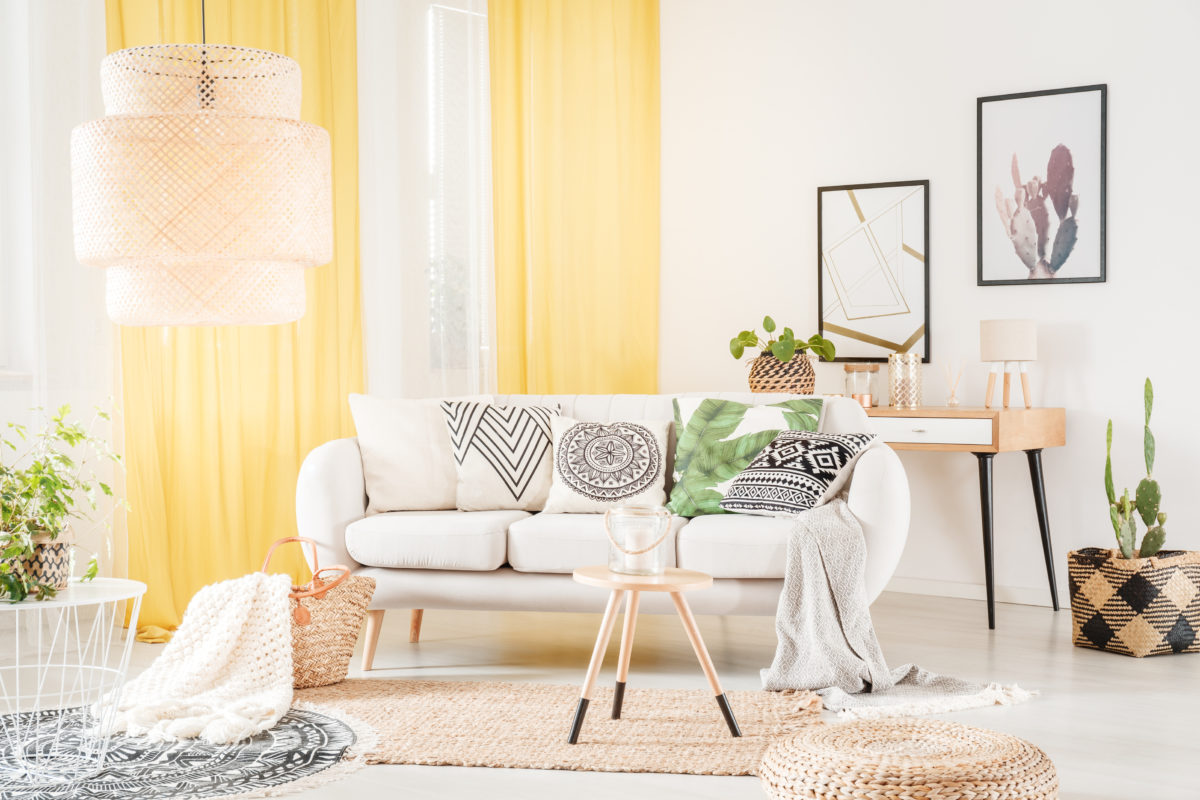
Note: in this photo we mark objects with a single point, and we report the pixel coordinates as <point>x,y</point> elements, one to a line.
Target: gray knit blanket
<point>827,641</point>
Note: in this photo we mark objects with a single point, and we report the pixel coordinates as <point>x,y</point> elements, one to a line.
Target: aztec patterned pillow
<point>501,455</point>
<point>796,472</point>
<point>599,466</point>
<point>720,439</point>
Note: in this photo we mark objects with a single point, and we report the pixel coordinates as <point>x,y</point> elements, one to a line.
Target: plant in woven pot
<point>1136,600</point>
<point>48,479</point>
<point>776,368</point>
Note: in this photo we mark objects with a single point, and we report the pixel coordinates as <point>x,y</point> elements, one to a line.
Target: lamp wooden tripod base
<point>1008,367</point>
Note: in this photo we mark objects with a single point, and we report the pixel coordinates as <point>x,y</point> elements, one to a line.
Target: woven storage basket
<point>327,614</point>
<point>906,759</point>
<point>769,374</point>
<point>1135,606</point>
<point>51,563</point>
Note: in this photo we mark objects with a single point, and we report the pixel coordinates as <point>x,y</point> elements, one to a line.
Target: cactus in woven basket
<point>1145,503</point>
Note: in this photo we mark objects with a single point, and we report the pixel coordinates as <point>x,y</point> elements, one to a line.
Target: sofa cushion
<point>406,458</point>
<point>717,439</point>
<point>598,466</point>
<point>459,540</point>
<point>502,455</point>
<point>735,545</point>
<point>799,470</point>
<point>561,542</point>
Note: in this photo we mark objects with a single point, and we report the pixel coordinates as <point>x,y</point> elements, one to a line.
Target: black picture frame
<point>821,271</point>
<point>982,203</point>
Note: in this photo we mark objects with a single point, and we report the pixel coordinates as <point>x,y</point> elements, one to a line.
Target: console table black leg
<point>1039,501</point>
<point>985,507</point>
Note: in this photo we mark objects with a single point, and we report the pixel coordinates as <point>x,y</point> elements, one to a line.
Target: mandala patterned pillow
<point>598,466</point>
<point>501,455</point>
<point>796,472</point>
<point>717,439</point>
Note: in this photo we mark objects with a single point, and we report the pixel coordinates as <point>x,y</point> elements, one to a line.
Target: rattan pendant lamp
<point>201,193</point>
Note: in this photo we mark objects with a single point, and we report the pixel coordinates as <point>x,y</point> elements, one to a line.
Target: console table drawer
<point>934,430</point>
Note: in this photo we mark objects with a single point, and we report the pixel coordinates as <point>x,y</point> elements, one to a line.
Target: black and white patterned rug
<point>302,744</point>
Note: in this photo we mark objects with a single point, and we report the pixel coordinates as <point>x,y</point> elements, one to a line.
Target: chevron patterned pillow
<point>501,453</point>
<point>797,471</point>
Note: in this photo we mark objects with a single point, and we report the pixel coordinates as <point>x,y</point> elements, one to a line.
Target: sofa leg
<point>414,625</point>
<point>374,625</point>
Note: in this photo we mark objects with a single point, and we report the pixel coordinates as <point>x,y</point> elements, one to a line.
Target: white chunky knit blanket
<point>227,673</point>
<point>827,641</point>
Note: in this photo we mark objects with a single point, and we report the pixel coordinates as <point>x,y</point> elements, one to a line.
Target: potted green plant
<point>776,369</point>
<point>47,480</point>
<point>1138,600</point>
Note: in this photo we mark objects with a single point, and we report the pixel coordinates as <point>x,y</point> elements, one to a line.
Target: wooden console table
<point>983,432</point>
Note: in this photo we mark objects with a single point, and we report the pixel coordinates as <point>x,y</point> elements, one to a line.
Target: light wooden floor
<point>1118,728</point>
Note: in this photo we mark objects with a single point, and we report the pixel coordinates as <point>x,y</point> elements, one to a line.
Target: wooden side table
<point>673,581</point>
<point>983,432</point>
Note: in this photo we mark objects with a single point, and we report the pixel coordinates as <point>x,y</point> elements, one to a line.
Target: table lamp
<point>1010,344</point>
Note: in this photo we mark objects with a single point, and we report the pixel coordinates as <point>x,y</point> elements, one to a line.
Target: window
<point>460,198</point>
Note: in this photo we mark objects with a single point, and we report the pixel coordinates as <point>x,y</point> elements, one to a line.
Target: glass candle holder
<point>859,380</point>
<point>904,380</point>
<point>638,539</point>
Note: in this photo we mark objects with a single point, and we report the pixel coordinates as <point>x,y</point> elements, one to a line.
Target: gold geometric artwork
<point>873,268</point>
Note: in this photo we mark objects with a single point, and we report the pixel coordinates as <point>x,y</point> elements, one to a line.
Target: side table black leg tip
<point>727,712</point>
<point>618,699</point>
<point>577,724</point>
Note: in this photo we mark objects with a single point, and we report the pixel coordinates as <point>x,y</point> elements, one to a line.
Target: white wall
<point>764,100</point>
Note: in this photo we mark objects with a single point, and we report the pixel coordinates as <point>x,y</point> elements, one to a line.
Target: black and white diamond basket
<point>1137,606</point>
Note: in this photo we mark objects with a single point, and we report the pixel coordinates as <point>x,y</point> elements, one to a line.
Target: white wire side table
<point>61,674</point>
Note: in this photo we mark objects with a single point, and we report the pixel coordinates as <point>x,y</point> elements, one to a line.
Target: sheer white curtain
<point>425,199</point>
<point>56,338</point>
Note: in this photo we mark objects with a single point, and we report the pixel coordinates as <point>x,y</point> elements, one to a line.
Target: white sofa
<point>513,560</point>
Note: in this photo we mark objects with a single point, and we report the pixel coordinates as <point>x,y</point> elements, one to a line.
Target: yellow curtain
<point>217,420</point>
<point>575,172</point>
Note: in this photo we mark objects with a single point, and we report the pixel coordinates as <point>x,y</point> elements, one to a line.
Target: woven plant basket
<point>327,614</point>
<point>1135,606</point>
<point>906,759</point>
<point>52,563</point>
<point>769,374</point>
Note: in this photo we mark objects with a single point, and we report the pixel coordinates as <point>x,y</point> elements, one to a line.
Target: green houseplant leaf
<point>1152,542</point>
<point>768,325</point>
<point>1108,478</point>
<point>784,349</point>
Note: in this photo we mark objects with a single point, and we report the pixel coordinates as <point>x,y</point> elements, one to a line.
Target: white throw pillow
<point>501,454</point>
<point>407,462</point>
<point>603,465</point>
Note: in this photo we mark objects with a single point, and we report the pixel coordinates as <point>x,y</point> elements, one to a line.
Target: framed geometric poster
<point>1041,175</point>
<point>873,263</point>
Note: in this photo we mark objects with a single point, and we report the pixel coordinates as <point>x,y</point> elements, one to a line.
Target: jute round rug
<point>525,725</point>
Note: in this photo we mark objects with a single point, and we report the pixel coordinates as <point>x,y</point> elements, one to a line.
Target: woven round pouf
<point>903,759</point>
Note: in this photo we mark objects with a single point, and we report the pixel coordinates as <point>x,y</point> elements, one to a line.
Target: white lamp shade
<point>202,194</point>
<point>1007,340</point>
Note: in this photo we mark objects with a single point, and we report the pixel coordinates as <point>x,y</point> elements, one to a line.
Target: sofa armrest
<point>879,499</point>
<point>330,494</point>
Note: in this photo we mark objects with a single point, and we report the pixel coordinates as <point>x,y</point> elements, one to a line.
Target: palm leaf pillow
<point>719,439</point>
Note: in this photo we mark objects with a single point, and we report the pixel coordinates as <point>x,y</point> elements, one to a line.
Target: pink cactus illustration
<point>1027,219</point>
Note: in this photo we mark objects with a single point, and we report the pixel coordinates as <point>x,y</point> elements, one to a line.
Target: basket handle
<point>288,540</point>
<point>319,586</point>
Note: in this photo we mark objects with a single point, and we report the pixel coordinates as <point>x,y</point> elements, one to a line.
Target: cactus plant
<point>1146,501</point>
<point>1027,221</point>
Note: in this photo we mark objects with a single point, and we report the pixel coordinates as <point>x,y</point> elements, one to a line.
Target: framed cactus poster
<point>1041,178</point>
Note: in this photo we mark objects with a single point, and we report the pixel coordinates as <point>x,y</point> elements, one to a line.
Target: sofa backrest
<point>838,414</point>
